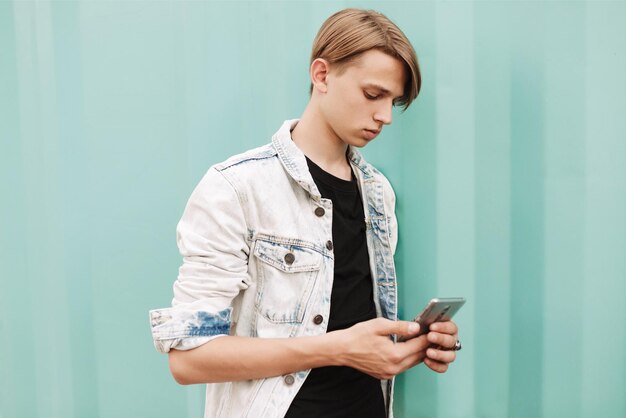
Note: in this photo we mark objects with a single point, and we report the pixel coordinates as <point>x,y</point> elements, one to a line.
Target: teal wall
<point>510,171</point>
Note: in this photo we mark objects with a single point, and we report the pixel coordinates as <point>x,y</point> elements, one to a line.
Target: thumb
<point>405,328</point>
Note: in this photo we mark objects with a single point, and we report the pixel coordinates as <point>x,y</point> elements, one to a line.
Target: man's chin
<point>357,143</point>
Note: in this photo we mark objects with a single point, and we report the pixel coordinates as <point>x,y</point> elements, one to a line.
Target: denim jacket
<point>258,262</point>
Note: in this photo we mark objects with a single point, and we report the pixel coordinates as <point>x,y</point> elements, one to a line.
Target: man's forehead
<point>381,71</point>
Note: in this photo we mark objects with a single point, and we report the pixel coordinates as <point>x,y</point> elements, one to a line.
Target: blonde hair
<point>347,34</point>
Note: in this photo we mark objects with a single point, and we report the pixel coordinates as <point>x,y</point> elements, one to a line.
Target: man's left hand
<point>443,337</point>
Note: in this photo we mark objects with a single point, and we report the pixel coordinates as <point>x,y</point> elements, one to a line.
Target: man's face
<point>359,102</point>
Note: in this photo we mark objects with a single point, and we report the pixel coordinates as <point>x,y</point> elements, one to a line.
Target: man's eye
<point>369,96</point>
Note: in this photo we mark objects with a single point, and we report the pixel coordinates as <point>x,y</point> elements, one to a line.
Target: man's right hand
<point>366,346</point>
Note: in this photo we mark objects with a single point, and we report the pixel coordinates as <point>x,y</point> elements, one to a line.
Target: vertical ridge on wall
<point>75,178</point>
<point>42,158</point>
<point>492,78</point>
<point>16,308</point>
<point>564,92</point>
<point>455,241</point>
<point>604,311</point>
<point>527,211</point>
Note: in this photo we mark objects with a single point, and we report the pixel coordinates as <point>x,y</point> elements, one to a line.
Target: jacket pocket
<point>287,270</point>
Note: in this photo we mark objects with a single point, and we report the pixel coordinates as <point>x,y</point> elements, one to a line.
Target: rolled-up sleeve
<point>211,238</point>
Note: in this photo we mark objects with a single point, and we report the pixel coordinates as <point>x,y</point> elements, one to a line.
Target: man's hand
<point>366,346</point>
<point>442,337</point>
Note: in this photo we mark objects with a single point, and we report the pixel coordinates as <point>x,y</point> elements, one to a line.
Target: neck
<point>316,139</point>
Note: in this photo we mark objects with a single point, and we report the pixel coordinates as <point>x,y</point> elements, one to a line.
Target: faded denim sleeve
<point>211,238</point>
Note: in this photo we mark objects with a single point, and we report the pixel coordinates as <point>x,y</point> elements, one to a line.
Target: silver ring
<point>457,346</point>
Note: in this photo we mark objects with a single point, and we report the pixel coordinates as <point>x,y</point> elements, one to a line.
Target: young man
<point>285,303</point>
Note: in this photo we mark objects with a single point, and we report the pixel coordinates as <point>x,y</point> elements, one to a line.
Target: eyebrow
<point>381,88</point>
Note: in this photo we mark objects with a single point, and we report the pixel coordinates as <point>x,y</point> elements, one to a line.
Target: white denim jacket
<point>258,262</point>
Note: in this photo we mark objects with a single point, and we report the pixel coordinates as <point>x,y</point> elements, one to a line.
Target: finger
<point>447,327</point>
<point>419,344</point>
<point>442,356</point>
<point>435,365</point>
<point>443,340</point>
<point>402,328</point>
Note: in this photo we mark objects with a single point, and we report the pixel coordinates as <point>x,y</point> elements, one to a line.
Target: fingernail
<point>414,327</point>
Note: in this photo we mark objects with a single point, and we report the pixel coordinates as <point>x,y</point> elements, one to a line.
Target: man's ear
<point>319,73</point>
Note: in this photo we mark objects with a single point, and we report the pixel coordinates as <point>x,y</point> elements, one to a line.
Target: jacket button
<point>318,319</point>
<point>329,245</point>
<point>290,258</point>
<point>289,379</point>
<point>319,211</point>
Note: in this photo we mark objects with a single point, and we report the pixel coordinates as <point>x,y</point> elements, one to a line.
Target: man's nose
<point>383,114</point>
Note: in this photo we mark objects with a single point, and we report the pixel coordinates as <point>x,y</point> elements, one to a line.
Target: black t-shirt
<point>343,392</point>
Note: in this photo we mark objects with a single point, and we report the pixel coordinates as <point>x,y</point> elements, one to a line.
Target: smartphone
<point>437,310</point>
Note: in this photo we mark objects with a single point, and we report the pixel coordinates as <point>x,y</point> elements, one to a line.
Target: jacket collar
<point>294,161</point>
